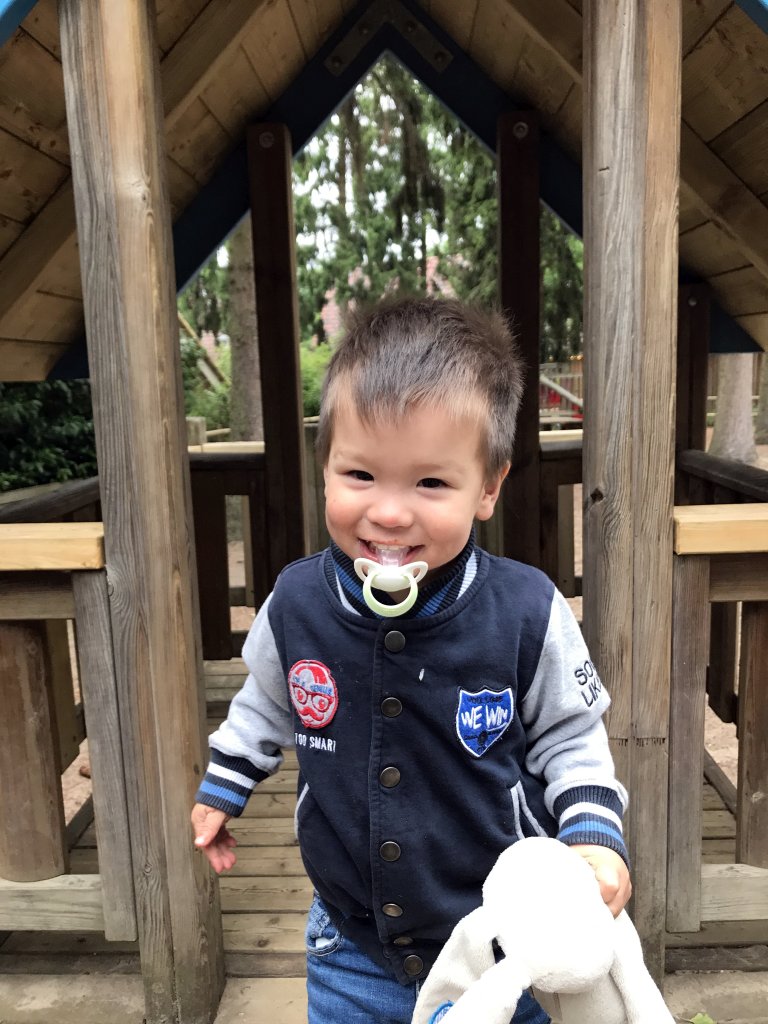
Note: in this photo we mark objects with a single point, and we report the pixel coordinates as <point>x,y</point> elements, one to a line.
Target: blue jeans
<point>344,986</point>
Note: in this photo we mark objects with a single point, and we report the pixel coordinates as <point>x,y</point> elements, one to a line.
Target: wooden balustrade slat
<point>32,837</point>
<point>690,621</point>
<point>105,747</point>
<point>752,796</point>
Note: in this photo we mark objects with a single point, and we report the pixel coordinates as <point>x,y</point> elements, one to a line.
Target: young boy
<point>429,741</point>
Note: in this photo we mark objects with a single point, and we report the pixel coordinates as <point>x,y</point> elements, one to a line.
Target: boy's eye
<point>359,474</point>
<point>431,481</point>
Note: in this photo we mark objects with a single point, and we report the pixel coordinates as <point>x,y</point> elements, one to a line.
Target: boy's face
<point>414,486</point>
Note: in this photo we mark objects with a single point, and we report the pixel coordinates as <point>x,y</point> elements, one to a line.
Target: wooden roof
<point>225,62</point>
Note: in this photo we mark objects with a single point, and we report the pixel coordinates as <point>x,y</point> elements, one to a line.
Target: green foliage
<point>701,1018</point>
<point>46,433</point>
<point>313,365</point>
<point>201,399</point>
<point>393,179</point>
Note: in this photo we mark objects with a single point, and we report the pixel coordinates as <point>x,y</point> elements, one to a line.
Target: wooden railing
<point>51,572</point>
<point>704,479</point>
<point>721,556</point>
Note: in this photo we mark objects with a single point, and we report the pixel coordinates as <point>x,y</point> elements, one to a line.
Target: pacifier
<point>390,576</point>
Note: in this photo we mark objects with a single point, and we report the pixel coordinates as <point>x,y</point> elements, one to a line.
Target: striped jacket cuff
<point>228,782</point>
<point>591,815</point>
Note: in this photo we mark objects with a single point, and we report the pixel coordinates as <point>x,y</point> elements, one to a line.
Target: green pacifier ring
<point>389,610</point>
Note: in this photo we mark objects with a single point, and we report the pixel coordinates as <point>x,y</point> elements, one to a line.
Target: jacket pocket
<point>525,825</point>
<point>300,800</point>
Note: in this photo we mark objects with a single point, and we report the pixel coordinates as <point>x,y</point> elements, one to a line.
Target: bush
<point>46,433</point>
<point>314,362</point>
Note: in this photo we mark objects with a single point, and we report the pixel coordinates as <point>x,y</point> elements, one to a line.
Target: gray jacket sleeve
<point>567,741</point>
<point>248,745</point>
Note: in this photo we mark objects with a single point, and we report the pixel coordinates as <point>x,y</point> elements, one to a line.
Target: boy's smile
<point>406,491</point>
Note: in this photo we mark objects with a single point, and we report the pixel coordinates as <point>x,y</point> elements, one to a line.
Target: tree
<point>394,179</point>
<point>46,433</point>
<point>761,420</point>
<point>733,436</point>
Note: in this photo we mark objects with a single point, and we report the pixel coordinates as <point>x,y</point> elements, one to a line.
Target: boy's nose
<point>390,512</point>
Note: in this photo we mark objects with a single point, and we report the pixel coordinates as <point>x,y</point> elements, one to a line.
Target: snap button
<point>394,641</point>
<point>403,940</point>
<point>390,851</point>
<point>389,777</point>
<point>391,707</point>
<point>413,965</point>
<point>392,910</point>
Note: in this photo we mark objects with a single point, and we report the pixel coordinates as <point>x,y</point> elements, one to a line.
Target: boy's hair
<point>409,352</point>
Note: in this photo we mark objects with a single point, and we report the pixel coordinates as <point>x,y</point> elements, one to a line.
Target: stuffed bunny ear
<point>467,954</point>
<point>643,1003</point>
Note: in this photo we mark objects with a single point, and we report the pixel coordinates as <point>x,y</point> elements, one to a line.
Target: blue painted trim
<point>757,11</point>
<point>464,88</point>
<point>12,13</point>
<point>726,335</point>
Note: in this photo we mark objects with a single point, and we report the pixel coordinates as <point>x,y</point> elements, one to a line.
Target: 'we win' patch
<point>482,718</point>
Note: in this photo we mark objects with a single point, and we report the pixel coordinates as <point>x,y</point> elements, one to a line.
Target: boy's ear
<point>490,494</point>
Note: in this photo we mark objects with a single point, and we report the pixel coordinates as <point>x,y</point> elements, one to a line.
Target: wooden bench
<point>51,572</point>
<point>721,555</point>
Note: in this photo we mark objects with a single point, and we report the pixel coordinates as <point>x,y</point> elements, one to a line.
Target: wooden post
<point>210,519</point>
<point>752,817</point>
<point>723,660</point>
<point>32,837</point>
<point>519,213</point>
<point>631,170</point>
<point>693,315</point>
<point>196,430</point>
<point>109,56</point>
<point>277,312</point>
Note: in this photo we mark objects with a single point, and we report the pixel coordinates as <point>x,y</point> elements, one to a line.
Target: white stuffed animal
<point>542,904</point>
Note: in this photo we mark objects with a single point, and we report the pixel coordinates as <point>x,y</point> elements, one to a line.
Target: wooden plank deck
<point>266,896</point>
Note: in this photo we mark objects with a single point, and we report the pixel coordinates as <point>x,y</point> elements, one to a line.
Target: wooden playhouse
<point>132,140</point>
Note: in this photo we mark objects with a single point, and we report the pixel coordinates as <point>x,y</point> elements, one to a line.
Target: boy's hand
<point>213,838</point>
<point>612,875</point>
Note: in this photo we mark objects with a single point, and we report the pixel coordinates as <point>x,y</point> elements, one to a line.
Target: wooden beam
<point>690,626</point>
<point>28,596</point>
<point>693,317</point>
<point>113,111</point>
<point>95,650</point>
<point>32,845</point>
<point>203,50</point>
<point>31,546</point>
<point>632,109</point>
<point>277,316</point>
<point>69,903</point>
<point>720,529</point>
<point>734,892</point>
<point>28,360</point>
<point>706,181</point>
<point>740,577</point>
<point>517,152</point>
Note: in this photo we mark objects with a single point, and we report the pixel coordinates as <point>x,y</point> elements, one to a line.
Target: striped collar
<point>436,595</point>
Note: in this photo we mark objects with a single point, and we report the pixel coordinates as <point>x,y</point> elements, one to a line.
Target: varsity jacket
<point>426,745</point>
